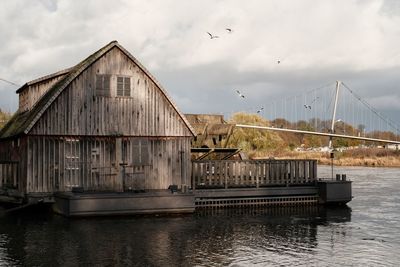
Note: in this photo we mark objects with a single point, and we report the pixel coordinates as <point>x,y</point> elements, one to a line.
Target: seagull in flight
<point>261,109</point>
<point>229,30</point>
<point>212,36</point>
<point>309,106</point>
<point>240,94</point>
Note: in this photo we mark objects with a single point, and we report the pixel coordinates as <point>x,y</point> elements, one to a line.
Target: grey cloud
<point>390,7</point>
<point>318,43</point>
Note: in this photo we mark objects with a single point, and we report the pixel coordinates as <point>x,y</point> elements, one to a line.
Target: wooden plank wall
<point>12,163</point>
<point>61,163</point>
<point>253,173</point>
<point>79,111</point>
<point>9,175</point>
<point>168,162</point>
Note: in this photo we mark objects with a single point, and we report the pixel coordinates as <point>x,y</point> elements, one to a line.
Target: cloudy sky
<point>317,42</point>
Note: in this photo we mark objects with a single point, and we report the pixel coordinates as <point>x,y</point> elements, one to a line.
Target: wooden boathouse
<point>103,137</point>
<point>104,125</point>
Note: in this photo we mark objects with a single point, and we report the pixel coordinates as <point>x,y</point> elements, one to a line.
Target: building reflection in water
<point>209,237</point>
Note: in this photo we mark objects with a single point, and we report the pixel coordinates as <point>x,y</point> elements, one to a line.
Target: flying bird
<point>240,94</point>
<point>229,30</point>
<point>309,106</point>
<point>212,36</point>
<point>279,62</point>
<point>261,109</point>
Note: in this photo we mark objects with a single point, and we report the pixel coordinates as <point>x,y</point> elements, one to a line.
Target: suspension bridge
<point>334,111</point>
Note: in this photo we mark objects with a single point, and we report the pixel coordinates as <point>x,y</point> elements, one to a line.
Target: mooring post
<point>193,179</point>
<point>332,155</point>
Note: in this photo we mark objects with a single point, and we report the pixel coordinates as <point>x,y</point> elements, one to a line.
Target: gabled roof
<point>23,122</point>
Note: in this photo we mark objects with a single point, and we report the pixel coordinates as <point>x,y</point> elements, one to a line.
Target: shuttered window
<point>123,86</point>
<point>103,84</point>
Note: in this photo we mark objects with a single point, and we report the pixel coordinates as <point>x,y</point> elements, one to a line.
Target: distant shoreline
<point>368,158</point>
<point>390,163</point>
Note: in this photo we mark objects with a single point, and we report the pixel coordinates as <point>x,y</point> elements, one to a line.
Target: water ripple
<point>367,233</point>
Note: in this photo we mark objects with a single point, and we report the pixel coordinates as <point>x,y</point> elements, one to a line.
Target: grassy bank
<point>370,157</point>
<point>280,145</point>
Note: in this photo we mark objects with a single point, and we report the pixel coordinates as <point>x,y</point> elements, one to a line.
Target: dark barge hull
<point>97,204</point>
<point>167,202</point>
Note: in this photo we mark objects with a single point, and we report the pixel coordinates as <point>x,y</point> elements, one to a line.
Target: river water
<point>365,233</point>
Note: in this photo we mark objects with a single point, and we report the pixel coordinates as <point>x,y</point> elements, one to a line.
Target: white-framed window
<point>103,85</point>
<point>72,162</point>
<point>123,86</point>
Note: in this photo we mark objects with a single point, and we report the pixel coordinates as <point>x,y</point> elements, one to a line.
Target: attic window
<point>123,86</point>
<point>103,84</point>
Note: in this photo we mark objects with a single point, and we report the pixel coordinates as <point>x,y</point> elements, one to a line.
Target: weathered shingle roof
<point>22,122</point>
<point>44,78</point>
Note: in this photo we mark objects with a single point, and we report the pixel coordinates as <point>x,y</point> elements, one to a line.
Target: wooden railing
<point>252,173</point>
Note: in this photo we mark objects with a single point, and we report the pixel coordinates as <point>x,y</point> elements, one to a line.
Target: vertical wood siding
<point>106,164</point>
<point>13,163</point>
<point>9,175</point>
<point>79,111</point>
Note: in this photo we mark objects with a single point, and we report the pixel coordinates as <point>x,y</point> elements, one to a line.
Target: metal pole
<point>334,112</point>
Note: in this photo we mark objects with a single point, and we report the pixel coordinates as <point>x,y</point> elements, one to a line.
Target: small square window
<point>123,86</point>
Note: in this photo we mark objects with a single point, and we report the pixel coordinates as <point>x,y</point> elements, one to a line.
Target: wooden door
<point>132,166</point>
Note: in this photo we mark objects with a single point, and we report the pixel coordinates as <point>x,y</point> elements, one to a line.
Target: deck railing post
<point>226,177</point>
<point>257,170</point>
<point>287,173</point>
<point>193,180</point>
